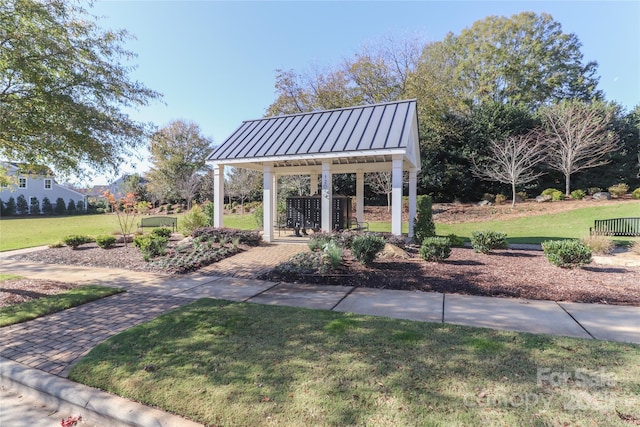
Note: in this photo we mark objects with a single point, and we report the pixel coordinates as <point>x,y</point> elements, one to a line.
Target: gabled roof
<point>362,134</point>
<point>28,169</point>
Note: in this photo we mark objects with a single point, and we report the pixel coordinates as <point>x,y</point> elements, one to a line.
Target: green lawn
<point>536,229</point>
<point>221,363</point>
<point>17,233</point>
<point>51,304</point>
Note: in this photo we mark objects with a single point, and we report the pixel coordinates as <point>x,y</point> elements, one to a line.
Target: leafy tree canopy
<point>63,84</point>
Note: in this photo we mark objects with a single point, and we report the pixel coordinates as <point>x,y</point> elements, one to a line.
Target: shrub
<point>34,206</point>
<point>435,249</point>
<point>455,240</point>
<point>10,207</point>
<point>334,254</point>
<point>424,226</point>
<point>485,241</point>
<point>566,253</point>
<point>161,232</point>
<point>618,190</point>
<point>258,215</point>
<point>106,241</point>
<point>521,196</point>
<point>71,207</point>
<point>500,199</point>
<point>578,194</point>
<point>75,240</point>
<point>636,193</point>
<point>305,263</point>
<point>80,206</point>
<point>151,246</point>
<point>635,248</point>
<point>366,247</point>
<point>208,209</point>
<point>598,244</point>
<point>247,237</point>
<point>22,207</point>
<point>555,194</point>
<point>47,208</point>
<point>55,245</point>
<point>60,208</point>
<point>318,241</point>
<point>193,220</point>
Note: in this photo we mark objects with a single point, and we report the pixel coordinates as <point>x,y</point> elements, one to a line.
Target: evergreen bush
<point>47,208</point>
<point>423,225</point>
<point>578,194</point>
<point>60,208</point>
<point>10,207</point>
<point>636,193</point>
<point>365,248</point>
<point>75,240</point>
<point>566,253</point>
<point>106,241</point>
<point>485,241</point>
<point>71,207</point>
<point>34,206</point>
<point>193,220</point>
<point>22,207</point>
<point>162,232</point>
<point>151,246</point>
<point>618,190</point>
<point>435,249</point>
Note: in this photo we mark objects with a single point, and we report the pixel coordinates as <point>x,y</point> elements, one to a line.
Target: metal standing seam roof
<point>362,130</point>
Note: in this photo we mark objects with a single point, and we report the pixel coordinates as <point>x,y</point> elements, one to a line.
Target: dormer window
<point>48,184</point>
<point>22,182</point>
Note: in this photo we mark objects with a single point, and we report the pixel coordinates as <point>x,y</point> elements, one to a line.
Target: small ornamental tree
<point>47,207</point>
<point>80,206</point>
<point>34,206</point>
<point>125,209</point>
<point>60,208</point>
<point>22,207</point>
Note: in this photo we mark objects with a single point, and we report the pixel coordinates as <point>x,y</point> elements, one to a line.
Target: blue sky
<point>215,61</point>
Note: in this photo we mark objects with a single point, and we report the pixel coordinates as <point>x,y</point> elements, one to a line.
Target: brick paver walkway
<point>53,343</point>
<point>255,261</point>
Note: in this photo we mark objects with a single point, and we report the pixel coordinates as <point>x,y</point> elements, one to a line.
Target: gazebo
<point>359,140</point>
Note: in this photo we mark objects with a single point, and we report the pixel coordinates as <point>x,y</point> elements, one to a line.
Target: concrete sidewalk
<point>50,345</point>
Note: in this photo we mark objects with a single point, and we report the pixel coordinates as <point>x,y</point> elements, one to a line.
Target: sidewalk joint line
<point>261,292</point>
<point>353,288</point>
<point>575,320</point>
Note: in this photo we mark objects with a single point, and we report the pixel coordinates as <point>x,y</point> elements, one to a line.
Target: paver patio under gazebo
<point>359,140</point>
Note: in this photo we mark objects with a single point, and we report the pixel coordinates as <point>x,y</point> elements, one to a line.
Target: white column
<point>413,181</point>
<point>360,196</point>
<point>267,203</point>
<point>314,183</point>
<point>274,203</point>
<point>396,196</point>
<point>325,203</point>
<point>218,195</point>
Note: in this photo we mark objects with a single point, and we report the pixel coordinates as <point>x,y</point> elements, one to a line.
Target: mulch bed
<point>503,273</point>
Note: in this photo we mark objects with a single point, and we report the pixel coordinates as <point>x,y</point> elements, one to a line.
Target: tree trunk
<point>567,184</point>
<point>513,192</point>
<point>388,202</point>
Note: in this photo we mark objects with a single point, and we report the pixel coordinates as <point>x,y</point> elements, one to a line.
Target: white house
<point>35,182</point>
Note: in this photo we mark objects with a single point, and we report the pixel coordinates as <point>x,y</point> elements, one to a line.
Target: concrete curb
<point>95,406</point>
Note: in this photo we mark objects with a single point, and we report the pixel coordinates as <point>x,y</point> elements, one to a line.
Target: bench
<point>616,227</point>
<point>159,221</point>
<point>359,226</point>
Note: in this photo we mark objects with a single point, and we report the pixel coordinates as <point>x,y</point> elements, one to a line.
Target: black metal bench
<point>616,227</point>
<point>359,226</point>
<point>159,221</point>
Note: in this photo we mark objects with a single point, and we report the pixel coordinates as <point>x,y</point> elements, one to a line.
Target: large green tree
<point>63,84</point>
<point>178,153</point>
<point>524,59</point>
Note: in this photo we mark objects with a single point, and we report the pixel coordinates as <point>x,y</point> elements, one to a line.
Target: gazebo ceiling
<point>363,138</point>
